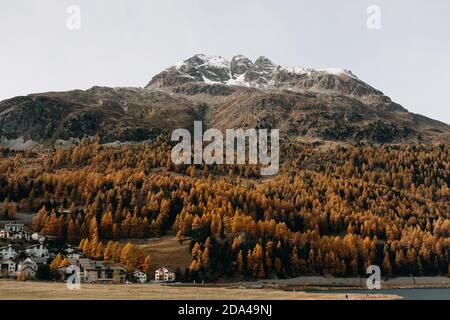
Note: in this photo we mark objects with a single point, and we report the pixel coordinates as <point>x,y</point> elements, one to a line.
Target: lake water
<point>407,294</point>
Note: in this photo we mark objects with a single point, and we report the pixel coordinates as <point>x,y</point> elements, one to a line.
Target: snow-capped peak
<point>202,60</point>
<point>241,71</point>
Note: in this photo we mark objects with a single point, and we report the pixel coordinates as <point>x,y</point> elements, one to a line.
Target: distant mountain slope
<point>114,113</point>
<point>324,104</point>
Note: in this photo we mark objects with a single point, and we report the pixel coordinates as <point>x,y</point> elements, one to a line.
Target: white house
<point>28,268</point>
<point>22,235</point>
<point>37,250</point>
<point>8,268</point>
<point>140,276</point>
<point>164,274</point>
<point>14,227</point>
<point>14,231</point>
<point>5,234</point>
<point>8,252</point>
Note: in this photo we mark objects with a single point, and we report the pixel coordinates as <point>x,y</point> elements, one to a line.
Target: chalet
<point>140,276</point>
<point>22,235</point>
<point>37,250</point>
<point>115,272</point>
<point>95,272</point>
<point>82,263</point>
<point>8,268</point>
<point>6,234</point>
<point>14,227</point>
<point>98,271</point>
<point>28,268</point>
<point>14,231</point>
<point>106,272</point>
<point>164,274</point>
<point>8,252</point>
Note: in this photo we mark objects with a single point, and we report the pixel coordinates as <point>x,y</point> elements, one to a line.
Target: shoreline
<point>358,283</point>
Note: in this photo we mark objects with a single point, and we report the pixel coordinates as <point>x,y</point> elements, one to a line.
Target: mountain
<point>263,74</point>
<point>305,104</point>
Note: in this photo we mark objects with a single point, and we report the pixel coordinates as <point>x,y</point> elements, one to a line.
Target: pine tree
<point>99,251</point>
<point>81,245</point>
<point>86,248</point>
<point>239,262</point>
<point>65,263</point>
<point>295,261</point>
<point>93,230</point>
<point>106,225</point>
<point>56,263</point>
<point>257,259</point>
<point>399,260</point>
<point>387,268</point>
<point>147,265</point>
<point>108,254</point>
<point>205,254</point>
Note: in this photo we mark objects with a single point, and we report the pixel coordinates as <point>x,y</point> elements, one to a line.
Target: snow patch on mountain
<point>338,72</point>
<point>241,71</point>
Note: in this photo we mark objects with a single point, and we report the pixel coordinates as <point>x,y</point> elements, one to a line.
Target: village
<point>29,256</point>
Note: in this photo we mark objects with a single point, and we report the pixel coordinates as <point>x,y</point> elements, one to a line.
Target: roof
<point>14,224</point>
<point>40,259</point>
<point>139,271</point>
<point>35,245</point>
<point>167,268</point>
<point>27,260</point>
<point>27,263</point>
<point>26,267</point>
<point>92,265</point>
<point>84,262</point>
<point>113,265</point>
<point>6,247</point>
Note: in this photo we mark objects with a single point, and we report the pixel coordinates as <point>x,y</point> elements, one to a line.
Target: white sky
<point>125,43</point>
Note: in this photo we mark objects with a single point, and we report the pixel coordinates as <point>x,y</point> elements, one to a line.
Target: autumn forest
<point>329,211</point>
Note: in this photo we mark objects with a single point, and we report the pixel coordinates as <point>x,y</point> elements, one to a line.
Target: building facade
<point>164,274</point>
<point>8,252</point>
<point>140,276</point>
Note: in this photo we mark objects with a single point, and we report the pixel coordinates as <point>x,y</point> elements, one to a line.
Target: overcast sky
<point>125,43</point>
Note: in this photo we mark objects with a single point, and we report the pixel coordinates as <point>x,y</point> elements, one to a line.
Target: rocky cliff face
<point>317,104</point>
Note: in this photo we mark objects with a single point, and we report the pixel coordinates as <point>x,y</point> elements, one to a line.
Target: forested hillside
<point>329,211</point>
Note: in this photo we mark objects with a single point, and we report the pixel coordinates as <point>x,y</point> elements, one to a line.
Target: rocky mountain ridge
<point>305,104</point>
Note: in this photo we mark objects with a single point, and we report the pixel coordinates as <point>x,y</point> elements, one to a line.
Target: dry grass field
<point>14,290</point>
<point>165,251</point>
